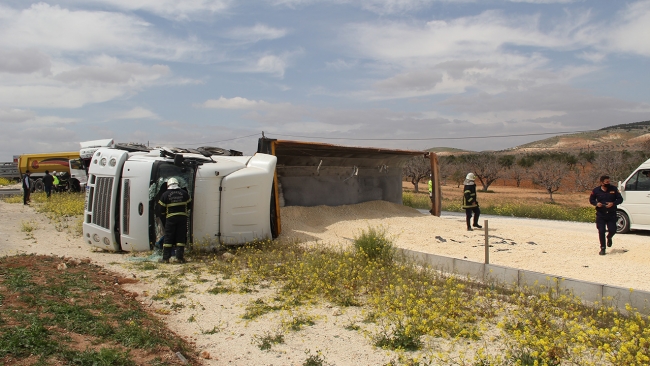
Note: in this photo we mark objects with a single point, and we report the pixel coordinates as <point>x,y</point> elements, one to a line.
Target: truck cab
<point>231,197</point>
<point>634,212</point>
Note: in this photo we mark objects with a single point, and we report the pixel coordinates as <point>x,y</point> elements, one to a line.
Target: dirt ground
<point>561,248</point>
<point>500,192</point>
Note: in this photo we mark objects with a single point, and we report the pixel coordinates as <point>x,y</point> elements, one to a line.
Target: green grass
<point>404,305</point>
<point>44,309</point>
<point>547,211</point>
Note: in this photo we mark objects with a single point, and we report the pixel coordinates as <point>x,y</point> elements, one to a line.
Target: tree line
<point>549,170</point>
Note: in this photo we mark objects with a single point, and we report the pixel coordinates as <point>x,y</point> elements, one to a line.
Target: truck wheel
<point>273,214</point>
<point>75,186</point>
<point>39,186</point>
<point>622,222</point>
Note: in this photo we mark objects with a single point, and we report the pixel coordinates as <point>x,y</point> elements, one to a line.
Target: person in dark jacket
<point>605,198</point>
<point>27,187</point>
<point>48,182</point>
<point>470,203</point>
<point>176,204</point>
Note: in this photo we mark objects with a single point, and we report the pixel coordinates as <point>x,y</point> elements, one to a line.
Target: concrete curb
<point>507,277</point>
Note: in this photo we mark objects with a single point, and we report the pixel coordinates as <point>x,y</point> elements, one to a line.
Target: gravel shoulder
<point>561,248</point>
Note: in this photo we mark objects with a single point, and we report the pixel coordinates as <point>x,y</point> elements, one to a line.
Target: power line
<point>213,142</point>
<point>385,139</point>
<point>431,138</point>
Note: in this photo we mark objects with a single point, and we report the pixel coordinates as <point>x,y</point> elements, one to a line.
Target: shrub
<point>374,244</point>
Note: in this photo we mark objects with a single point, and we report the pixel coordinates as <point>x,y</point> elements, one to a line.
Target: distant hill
<point>627,136</point>
<point>448,150</point>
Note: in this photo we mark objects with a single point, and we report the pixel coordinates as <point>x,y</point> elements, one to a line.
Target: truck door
<point>637,197</point>
<point>134,205</point>
<point>162,171</point>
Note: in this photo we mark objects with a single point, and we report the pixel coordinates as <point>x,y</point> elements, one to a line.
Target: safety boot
<point>167,253</point>
<point>180,251</point>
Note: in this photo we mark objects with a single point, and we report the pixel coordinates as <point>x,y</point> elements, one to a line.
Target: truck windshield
<point>165,171</point>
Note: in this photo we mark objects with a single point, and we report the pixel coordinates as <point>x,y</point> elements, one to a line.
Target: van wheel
<point>622,222</point>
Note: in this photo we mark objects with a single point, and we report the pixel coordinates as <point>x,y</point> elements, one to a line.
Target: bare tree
<point>611,163</point>
<point>416,169</point>
<point>518,172</point>
<point>487,168</point>
<point>549,175</point>
<point>585,179</point>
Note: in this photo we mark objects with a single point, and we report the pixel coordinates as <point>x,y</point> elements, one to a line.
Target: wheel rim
<point>620,222</point>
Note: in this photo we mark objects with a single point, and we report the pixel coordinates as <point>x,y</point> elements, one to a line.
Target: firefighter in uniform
<point>470,204</point>
<point>605,197</point>
<point>175,204</point>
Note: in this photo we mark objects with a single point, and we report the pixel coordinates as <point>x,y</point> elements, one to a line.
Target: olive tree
<point>548,174</point>
<point>416,169</point>
<point>486,167</point>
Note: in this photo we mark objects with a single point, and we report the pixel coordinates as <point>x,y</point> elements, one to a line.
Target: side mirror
<point>178,160</point>
<point>621,187</point>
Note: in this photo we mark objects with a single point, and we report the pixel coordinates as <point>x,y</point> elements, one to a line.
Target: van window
<point>639,181</point>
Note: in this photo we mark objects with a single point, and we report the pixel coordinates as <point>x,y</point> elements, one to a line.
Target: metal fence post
<point>487,243</point>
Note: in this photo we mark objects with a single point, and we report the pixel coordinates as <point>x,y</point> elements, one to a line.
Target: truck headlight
<point>102,162</point>
<point>112,162</point>
<point>96,238</point>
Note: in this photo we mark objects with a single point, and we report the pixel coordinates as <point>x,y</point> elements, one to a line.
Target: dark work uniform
<point>470,204</point>
<point>605,217</point>
<point>175,205</point>
<point>48,182</point>
<point>27,189</point>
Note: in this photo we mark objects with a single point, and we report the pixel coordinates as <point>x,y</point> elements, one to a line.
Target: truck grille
<point>101,204</point>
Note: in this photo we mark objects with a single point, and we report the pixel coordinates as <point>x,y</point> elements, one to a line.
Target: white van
<point>634,212</point>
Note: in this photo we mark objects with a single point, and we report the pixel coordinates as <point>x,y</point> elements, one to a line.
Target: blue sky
<point>404,74</point>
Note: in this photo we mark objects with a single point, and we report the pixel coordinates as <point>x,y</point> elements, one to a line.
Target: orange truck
<point>68,166</point>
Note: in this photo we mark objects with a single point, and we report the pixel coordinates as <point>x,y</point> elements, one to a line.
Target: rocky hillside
<point>629,136</point>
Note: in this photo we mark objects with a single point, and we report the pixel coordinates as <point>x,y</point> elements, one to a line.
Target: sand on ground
<point>566,249</point>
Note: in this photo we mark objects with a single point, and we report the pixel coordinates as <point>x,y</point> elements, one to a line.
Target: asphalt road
<point>10,192</point>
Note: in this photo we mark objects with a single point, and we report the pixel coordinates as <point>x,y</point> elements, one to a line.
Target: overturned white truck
<point>237,198</point>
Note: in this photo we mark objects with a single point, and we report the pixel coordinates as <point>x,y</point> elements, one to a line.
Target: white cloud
<point>629,30</point>
<point>239,103</point>
<point>72,86</point>
<point>108,70</point>
<point>382,7</point>
<point>546,1</point>
<point>12,115</point>
<point>171,9</point>
<point>257,33</point>
<point>341,64</point>
<point>138,113</point>
<point>24,61</point>
<point>55,30</point>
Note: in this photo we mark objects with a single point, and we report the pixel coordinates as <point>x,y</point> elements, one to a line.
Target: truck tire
<point>75,186</point>
<point>273,215</point>
<point>622,222</point>
<point>38,186</point>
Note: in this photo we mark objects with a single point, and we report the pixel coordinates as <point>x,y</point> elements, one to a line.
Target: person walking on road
<point>27,187</point>
<point>176,203</point>
<point>48,182</point>
<point>605,198</point>
<point>470,203</point>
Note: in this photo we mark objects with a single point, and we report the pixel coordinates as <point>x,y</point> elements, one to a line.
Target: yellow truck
<point>67,165</point>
